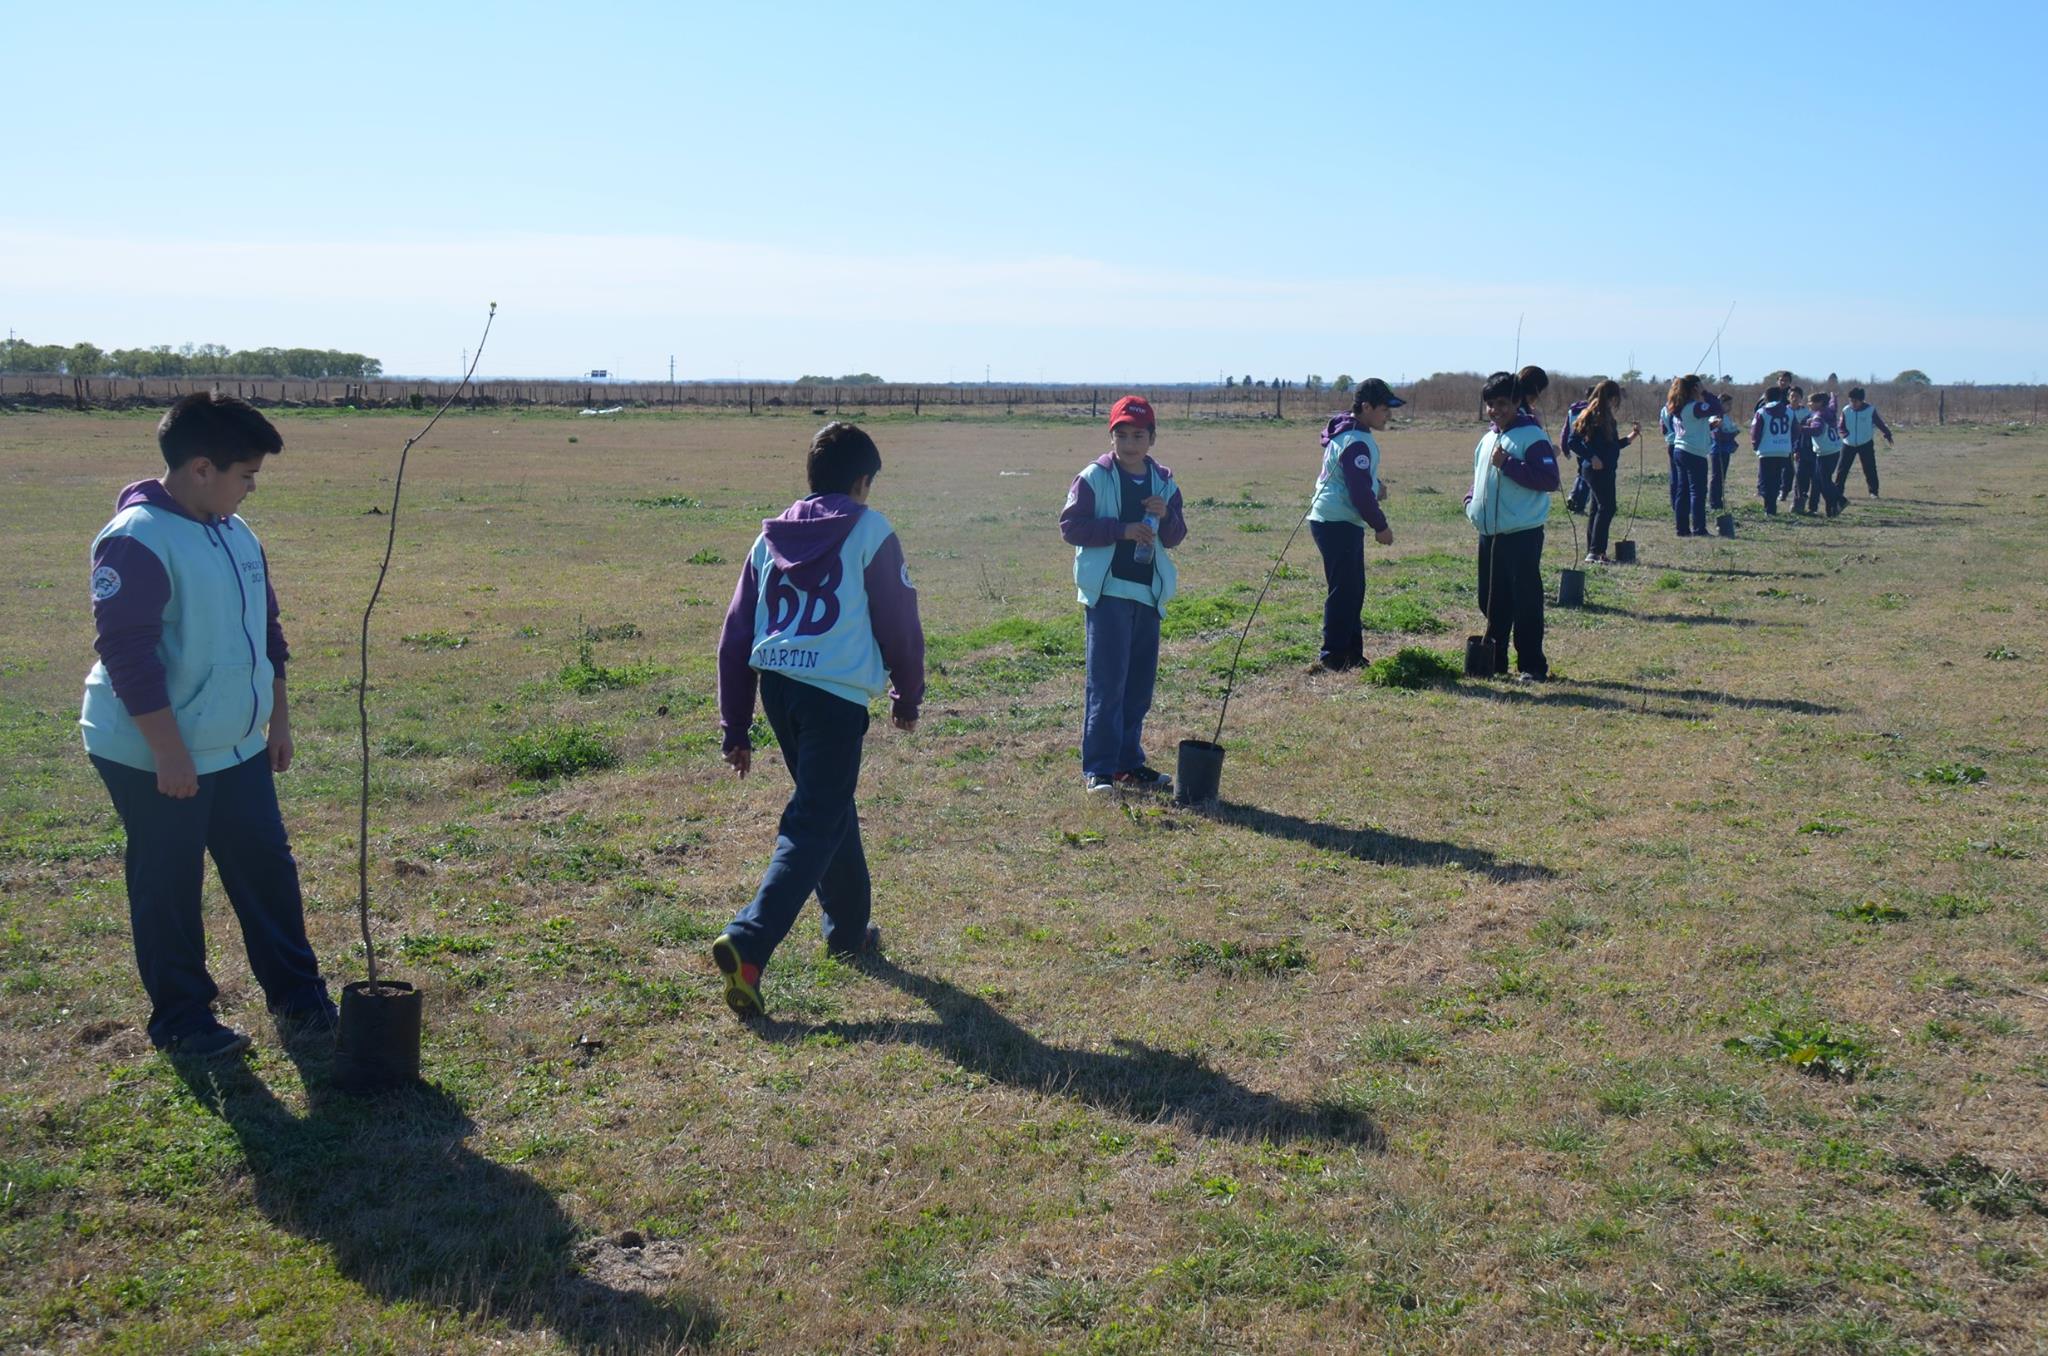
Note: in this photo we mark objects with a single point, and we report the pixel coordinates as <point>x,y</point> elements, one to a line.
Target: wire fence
<point>1444,396</point>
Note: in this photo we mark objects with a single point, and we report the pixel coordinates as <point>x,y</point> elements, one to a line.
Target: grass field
<point>1695,1003</point>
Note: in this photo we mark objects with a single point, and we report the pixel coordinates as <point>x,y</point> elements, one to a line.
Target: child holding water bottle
<point>1123,516</point>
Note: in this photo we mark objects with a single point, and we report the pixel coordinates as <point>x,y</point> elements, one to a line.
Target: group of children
<point>186,721</point>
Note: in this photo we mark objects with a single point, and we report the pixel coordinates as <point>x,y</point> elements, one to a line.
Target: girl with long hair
<point>1692,407</point>
<point>1599,435</point>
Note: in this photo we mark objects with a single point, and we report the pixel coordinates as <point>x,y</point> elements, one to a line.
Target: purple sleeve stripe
<point>892,612</point>
<point>128,623</point>
<point>736,678</point>
<point>1358,482</point>
<point>1078,524</point>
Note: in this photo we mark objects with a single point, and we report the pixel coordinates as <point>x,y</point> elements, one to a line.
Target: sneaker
<point>1532,677</point>
<point>870,947</point>
<point>1100,782</point>
<point>220,1042</point>
<point>1834,510</point>
<point>1145,779</point>
<point>742,981</point>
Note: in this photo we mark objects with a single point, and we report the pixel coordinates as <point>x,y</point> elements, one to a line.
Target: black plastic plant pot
<point>378,1046</point>
<point>1625,551</point>
<point>1725,524</point>
<point>1199,775</point>
<point>1479,657</point>
<point>1571,588</point>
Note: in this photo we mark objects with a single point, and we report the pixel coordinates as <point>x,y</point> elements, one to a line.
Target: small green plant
<point>586,675</point>
<point>2001,652</point>
<point>707,556</point>
<point>1817,1049</point>
<point>1670,580</point>
<point>612,631</point>
<point>435,640</point>
<point>1954,774</point>
<point>1823,828</point>
<point>663,501</point>
<point>1412,666</point>
<point>1402,613</point>
<point>1231,959</point>
<point>1964,1179</point>
<point>1870,911</point>
<point>1253,527</point>
<point>557,751</point>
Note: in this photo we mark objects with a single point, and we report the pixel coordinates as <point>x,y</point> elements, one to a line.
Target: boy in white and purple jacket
<point>1816,483</point>
<point>1122,516</point>
<point>1861,423</point>
<point>825,618</point>
<point>186,722</point>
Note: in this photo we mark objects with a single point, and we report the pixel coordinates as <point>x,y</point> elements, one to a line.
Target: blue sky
<point>1123,193</point>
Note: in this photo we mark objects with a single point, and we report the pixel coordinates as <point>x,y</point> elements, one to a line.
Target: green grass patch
<point>439,639</point>
<point>1233,959</point>
<point>1954,774</point>
<point>1411,666</point>
<point>557,751</point>
<point>1816,1049</point>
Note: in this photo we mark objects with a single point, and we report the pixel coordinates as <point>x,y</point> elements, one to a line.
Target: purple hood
<point>810,532</point>
<point>1339,423</point>
<point>152,493</point>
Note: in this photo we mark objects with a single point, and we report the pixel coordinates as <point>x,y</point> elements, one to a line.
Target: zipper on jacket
<point>242,593</point>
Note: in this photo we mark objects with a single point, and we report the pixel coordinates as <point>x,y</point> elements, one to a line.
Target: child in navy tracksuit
<point>1861,423</point>
<point>1824,442</point>
<point>186,721</point>
<point>825,617</point>
<point>1514,473</point>
<point>1567,441</point>
<point>1770,435</point>
<point>1123,514</point>
<point>1347,501</point>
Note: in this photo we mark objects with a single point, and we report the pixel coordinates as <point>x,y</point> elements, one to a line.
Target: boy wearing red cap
<point>1123,514</point>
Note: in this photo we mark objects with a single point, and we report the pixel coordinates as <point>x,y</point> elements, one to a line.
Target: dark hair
<point>840,454</point>
<point>1774,395</point>
<point>1856,393</point>
<point>1526,386</point>
<point>221,428</point>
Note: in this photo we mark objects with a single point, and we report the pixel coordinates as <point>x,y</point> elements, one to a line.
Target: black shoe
<point>218,1042</point>
<point>1145,779</point>
<point>870,947</point>
<point>1099,784</point>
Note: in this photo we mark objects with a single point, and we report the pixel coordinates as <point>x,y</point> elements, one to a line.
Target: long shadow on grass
<point>414,1216</point>
<point>1372,845</point>
<point>1680,618</point>
<point>1134,1079</point>
<point>1702,694</point>
<point>1559,693</point>
<point>1743,574</point>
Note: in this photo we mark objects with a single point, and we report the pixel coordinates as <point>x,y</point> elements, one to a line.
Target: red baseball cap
<point>1133,410</point>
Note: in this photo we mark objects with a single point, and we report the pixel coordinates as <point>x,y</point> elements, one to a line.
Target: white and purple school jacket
<point>1690,432</point>
<point>1092,522</point>
<point>826,599</point>
<point>1348,487</point>
<point>184,617</point>
<point>1824,431</point>
<point>1862,426</point>
<point>1513,497</point>
<point>1770,430</point>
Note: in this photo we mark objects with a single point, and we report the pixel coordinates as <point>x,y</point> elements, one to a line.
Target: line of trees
<point>187,360</point>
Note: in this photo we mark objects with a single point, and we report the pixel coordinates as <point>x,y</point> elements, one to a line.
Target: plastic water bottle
<point>1142,552</point>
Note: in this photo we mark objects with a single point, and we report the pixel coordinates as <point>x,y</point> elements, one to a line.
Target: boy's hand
<point>1384,536</point>
<point>1156,506</point>
<point>904,723</point>
<point>175,775</point>
<point>1500,456</point>
<point>1139,533</point>
<point>740,760</point>
<point>280,746</point>
<point>1599,464</point>
<point>1635,430</point>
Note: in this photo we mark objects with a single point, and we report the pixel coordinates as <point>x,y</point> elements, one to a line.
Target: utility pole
<point>671,369</point>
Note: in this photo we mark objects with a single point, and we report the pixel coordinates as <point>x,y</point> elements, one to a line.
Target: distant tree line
<point>187,360</point>
<point>850,379</point>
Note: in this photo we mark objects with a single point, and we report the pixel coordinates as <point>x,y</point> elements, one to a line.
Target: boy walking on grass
<point>824,618</point>
<point>186,722</point>
<point>1861,423</point>
<point>1123,515</point>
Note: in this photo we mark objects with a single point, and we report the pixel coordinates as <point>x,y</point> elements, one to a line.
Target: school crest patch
<point>1361,461</point>
<point>906,577</point>
<point>106,582</point>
